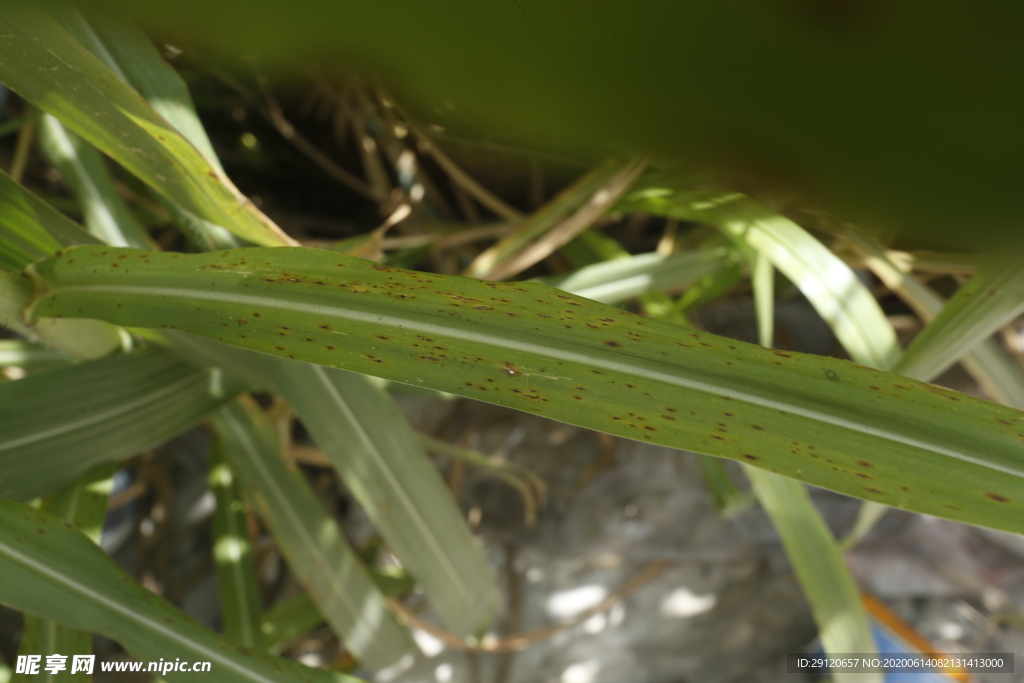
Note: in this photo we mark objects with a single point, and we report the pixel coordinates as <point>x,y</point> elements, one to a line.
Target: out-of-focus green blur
<point>902,114</point>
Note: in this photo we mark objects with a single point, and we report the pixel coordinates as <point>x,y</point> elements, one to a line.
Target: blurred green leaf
<point>990,299</point>
<point>53,571</point>
<point>108,410</point>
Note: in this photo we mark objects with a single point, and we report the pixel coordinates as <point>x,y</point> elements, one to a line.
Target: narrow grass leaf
<point>108,410</point>
<point>1001,377</point>
<point>812,549</point>
<point>237,585</point>
<point>384,465</point>
<point>48,67</point>
<point>52,570</point>
<point>990,299</point>
<point>831,591</point>
<point>618,280</point>
<point>310,539</point>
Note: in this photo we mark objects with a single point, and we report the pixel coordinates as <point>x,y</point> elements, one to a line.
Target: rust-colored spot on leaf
<point>511,370</point>
<point>749,456</point>
<point>613,343</point>
<point>998,498</point>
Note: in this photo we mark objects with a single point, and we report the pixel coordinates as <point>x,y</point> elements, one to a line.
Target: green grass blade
<point>812,549</point>
<point>237,585</point>
<point>106,215</point>
<point>617,280</point>
<point>829,422</point>
<point>30,228</point>
<point>55,72</point>
<point>383,463</point>
<point>310,539</point>
<point>108,410</point>
<point>991,298</point>
<point>818,563</point>
<point>56,572</point>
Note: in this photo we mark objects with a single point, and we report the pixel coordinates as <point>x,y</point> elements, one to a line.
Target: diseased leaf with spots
<point>852,429</point>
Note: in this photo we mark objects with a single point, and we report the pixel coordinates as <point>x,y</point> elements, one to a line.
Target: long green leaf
<point>829,422</point>
<point>108,410</point>
<point>310,539</point>
<point>991,298</point>
<point>53,571</point>
<point>82,504</point>
<point>48,67</point>
<point>383,463</point>
<point>817,559</point>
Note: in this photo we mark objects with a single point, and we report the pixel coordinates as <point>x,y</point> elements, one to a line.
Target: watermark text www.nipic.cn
<point>84,664</point>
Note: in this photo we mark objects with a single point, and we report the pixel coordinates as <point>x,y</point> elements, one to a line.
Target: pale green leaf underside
<point>852,429</point>
<point>48,566</point>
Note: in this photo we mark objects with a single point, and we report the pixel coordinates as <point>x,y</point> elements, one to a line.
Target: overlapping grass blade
<point>54,571</point>
<point>852,429</point>
<point>122,47</point>
<point>991,298</point>
<point>383,463</point>
<point>108,410</point>
<point>310,539</point>
<point>1001,378</point>
<point>617,280</point>
<point>48,67</point>
<point>237,585</point>
<point>494,263</point>
<point>81,166</point>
